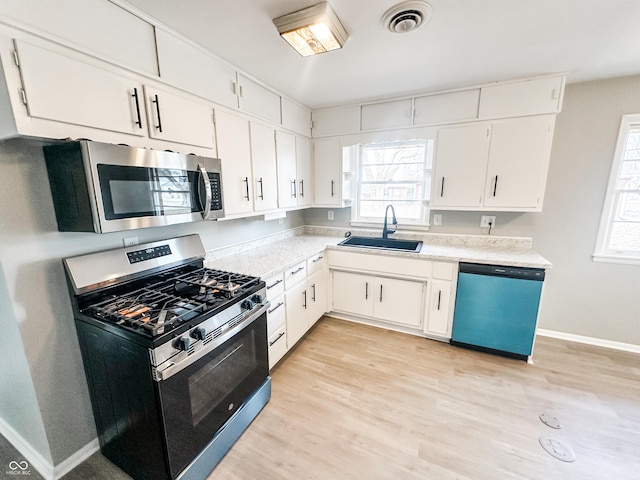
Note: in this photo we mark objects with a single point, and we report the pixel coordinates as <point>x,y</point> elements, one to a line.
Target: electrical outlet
<point>437,219</point>
<point>485,220</point>
<point>130,241</point>
<point>330,214</point>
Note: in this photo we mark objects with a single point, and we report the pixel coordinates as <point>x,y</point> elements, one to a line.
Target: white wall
<point>44,397</point>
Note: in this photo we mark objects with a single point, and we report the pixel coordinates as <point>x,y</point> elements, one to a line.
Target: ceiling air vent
<point>406,16</point>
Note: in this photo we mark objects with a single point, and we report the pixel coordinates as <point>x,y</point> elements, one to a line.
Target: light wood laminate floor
<point>357,402</point>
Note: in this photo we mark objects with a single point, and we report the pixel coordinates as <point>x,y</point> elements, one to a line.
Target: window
<point>619,235</point>
<point>397,173</point>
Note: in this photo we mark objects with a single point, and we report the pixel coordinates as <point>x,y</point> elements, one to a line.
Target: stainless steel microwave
<point>100,187</point>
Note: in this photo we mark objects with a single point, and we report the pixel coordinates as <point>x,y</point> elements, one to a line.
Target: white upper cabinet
<point>258,100</point>
<point>304,171</point>
<point>500,166</point>
<point>386,115</point>
<point>193,69</point>
<point>446,107</point>
<point>99,27</point>
<point>286,161</point>
<point>78,91</point>
<point>176,118</point>
<point>518,163</point>
<point>460,166</point>
<point>336,121</point>
<point>327,163</point>
<point>263,161</point>
<point>530,97</point>
<point>295,117</point>
<point>233,141</point>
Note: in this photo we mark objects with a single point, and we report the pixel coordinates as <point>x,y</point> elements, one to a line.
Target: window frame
<point>602,251</point>
<point>404,224</point>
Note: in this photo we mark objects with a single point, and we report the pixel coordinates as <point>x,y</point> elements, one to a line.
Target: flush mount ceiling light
<point>312,30</point>
<point>406,16</point>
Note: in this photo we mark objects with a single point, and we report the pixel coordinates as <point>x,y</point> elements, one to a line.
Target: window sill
<point>619,259</point>
<point>401,228</point>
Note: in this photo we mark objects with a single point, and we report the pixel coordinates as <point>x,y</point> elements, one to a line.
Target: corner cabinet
<point>498,166</point>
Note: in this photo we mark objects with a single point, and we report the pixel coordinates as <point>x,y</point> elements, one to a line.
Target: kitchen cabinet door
<point>335,121</point>
<point>385,115</point>
<point>327,166</point>
<point>398,301</point>
<point>286,162</point>
<point>263,161</point>
<point>437,319</point>
<point>258,100</point>
<point>63,88</point>
<point>304,171</point>
<point>446,107</point>
<point>518,163</point>
<point>193,69</point>
<point>232,138</point>
<point>529,97</point>
<point>296,117</point>
<point>460,167</point>
<point>179,119</point>
<point>296,303</point>
<point>353,293</point>
<point>317,285</point>
<point>277,331</point>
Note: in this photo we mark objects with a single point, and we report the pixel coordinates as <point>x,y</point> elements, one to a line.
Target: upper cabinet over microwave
<point>99,187</point>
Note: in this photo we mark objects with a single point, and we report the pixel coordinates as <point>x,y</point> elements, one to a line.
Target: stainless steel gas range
<point>175,355</point>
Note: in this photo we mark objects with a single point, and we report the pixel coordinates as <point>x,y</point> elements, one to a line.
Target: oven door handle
<point>168,368</point>
<point>206,208</point>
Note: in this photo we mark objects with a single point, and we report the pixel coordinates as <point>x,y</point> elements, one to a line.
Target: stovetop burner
<point>167,301</point>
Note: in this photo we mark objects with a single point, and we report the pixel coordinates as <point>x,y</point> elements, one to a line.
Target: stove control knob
<point>257,298</point>
<point>199,333</point>
<point>247,305</point>
<point>183,343</point>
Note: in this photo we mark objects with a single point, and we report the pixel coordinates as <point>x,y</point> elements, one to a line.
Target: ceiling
<point>466,42</point>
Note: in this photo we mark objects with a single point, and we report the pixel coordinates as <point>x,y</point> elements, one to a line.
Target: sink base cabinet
<point>387,299</point>
<point>412,295</point>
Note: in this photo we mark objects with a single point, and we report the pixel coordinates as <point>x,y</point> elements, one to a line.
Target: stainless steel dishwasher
<point>496,308</point>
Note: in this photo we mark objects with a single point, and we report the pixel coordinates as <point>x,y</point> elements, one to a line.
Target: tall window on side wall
<point>619,234</point>
<point>396,173</point>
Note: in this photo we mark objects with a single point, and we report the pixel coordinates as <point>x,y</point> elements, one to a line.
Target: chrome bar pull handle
<point>138,116</point>
<point>495,185</point>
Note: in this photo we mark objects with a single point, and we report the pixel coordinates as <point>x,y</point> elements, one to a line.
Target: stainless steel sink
<point>383,243</point>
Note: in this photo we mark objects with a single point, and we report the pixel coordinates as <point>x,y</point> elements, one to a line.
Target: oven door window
<point>198,400</point>
<point>129,192</point>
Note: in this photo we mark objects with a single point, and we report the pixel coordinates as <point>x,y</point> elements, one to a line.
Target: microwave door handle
<point>206,208</point>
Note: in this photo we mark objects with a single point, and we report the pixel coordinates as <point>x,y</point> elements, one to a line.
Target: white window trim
<point>404,225</point>
<point>602,253</point>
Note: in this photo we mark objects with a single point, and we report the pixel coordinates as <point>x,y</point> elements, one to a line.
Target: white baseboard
<point>37,461</point>
<point>598,342</point>
<point>76,459</point>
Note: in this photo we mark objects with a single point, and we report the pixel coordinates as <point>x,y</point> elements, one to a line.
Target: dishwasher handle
<point>524,273</point>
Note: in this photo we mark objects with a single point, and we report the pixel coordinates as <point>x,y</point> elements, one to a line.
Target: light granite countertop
<point>266,257</point>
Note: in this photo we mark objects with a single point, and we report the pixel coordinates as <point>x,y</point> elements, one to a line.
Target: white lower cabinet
<point>437,321</point>
<point>276,319</point>
<point>387,299</point>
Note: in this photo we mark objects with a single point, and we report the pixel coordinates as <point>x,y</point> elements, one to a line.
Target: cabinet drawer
<point>277,346</point>
<point>276,316</point>
<point>443,270</point>
<point>404,266</point>
<point>295,274</point>
<point>275,286</point>
<point>316,263</point>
